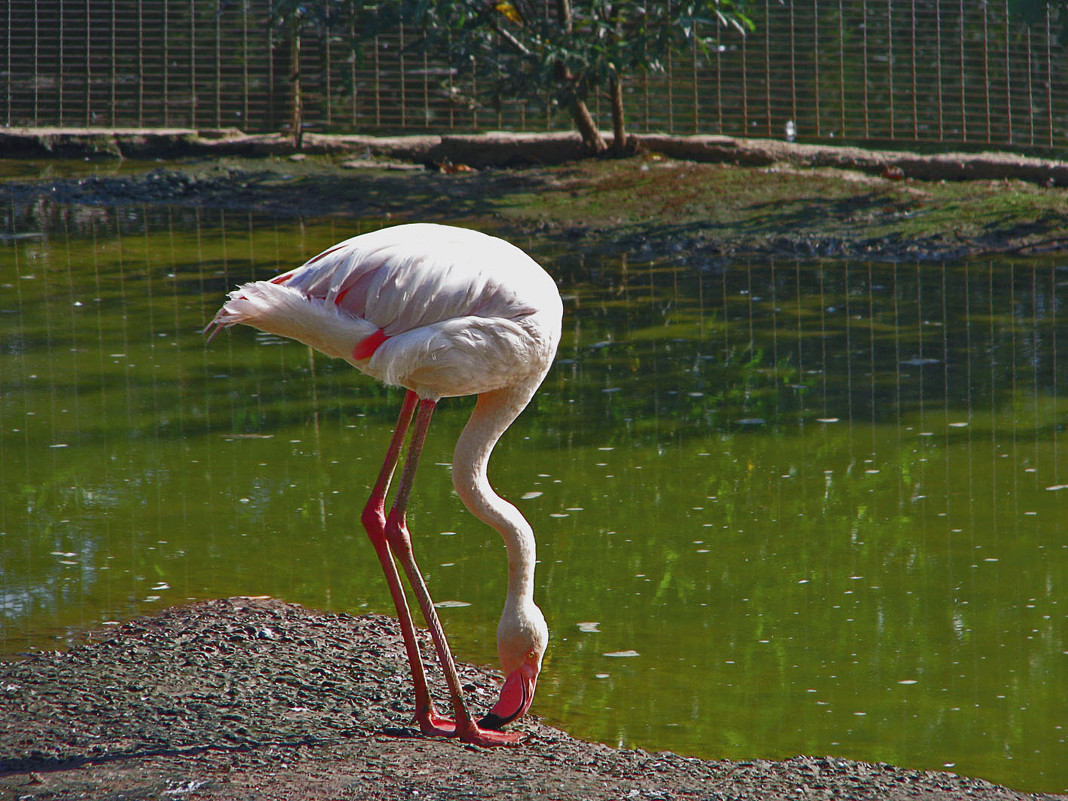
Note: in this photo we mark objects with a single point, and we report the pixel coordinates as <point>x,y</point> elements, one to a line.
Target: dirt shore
<point>713,199</point>
<point>257,699</point>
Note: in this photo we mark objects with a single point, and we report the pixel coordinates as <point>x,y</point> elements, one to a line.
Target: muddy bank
<point>506,149</point>
<point>258,699</point>
<point>754,200</point>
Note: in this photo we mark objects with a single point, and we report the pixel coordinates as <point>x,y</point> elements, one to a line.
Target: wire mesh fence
<point>949,71</point>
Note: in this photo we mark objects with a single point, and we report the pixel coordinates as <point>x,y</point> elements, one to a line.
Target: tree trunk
<point>296,118</point>
<point>563,14</point>
<point>619,136</point>
<point>587,128</point>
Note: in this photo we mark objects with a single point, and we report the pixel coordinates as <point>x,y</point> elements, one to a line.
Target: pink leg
<point>400,543</point>
<point>374,521</point>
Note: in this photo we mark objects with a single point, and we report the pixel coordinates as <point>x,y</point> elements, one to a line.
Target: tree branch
<point>508,37</point>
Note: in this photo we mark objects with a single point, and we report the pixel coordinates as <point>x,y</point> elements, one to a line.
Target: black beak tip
<point>492,722</point>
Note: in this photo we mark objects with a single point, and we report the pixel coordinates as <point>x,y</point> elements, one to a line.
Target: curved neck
<point>494,412</point>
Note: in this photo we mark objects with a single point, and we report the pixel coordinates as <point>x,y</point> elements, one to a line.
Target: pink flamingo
<point>441,311</point>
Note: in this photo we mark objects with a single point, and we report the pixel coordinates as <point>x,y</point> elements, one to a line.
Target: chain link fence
<point>876,71</point>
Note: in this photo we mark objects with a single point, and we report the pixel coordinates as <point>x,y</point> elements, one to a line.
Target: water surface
<point>781,508</point>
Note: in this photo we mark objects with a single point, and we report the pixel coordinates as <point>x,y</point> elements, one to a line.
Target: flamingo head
<point>521,642</point>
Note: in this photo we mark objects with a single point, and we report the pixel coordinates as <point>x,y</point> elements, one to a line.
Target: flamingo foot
<point>432,724</point>
<point>488,738</point>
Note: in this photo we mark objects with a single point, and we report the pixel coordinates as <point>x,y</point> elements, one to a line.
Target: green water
<point>781,508</point>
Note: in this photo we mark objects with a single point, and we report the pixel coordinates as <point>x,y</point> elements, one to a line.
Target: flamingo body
<point>443,312</point>
<point>462,312</point>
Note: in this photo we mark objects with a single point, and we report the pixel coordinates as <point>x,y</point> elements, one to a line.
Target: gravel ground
<point>249,698</point>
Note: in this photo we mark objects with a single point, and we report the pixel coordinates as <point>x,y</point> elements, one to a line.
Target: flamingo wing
<point>444,311</point>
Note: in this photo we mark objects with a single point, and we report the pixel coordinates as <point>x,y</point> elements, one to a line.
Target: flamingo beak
<point>516,697</point>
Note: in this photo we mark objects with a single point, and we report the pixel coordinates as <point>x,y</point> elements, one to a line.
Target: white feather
<point>282,310</point>
<point>463,312</point>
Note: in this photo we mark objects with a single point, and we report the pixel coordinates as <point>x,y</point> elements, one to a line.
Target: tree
<point>567,50</point>
<point>289,20</point>
<point>561,50</point>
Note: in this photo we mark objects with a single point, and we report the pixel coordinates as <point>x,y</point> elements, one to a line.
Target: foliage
<point>334,16</point>
<point>559,52</point>
<point>565,51</point>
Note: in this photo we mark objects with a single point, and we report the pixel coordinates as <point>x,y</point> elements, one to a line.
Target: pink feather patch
<point>366,347</point>
<point>325,253</point>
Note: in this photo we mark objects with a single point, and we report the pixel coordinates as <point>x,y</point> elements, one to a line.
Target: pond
<point>781,507</point>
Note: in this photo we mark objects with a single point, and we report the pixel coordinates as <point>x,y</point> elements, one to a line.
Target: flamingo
<point>443,312</point>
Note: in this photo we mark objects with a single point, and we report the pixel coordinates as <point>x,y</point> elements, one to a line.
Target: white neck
<point>493,413</point>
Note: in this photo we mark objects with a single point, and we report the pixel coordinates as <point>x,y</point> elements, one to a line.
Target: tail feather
<point>279,309</point>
